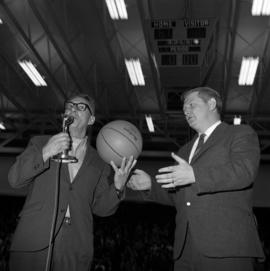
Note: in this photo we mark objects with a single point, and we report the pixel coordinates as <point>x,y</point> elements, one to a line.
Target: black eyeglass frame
<point>77,108</point>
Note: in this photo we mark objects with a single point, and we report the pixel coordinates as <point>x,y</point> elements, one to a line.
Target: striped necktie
<point>200,144</point>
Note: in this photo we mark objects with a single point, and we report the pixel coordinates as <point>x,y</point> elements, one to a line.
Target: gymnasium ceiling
<point>79,48</point>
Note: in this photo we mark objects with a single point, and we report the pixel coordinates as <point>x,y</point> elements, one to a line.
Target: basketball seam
<point>125,137</point>
<point>110,146</point>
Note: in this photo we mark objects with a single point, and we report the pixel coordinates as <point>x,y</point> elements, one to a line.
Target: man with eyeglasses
<point>85,189</point>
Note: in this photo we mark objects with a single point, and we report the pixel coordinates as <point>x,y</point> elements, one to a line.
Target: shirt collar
<point>78,141</point>
<point>210,130</point>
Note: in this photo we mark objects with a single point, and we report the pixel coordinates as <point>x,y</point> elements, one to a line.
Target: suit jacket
<point>89,193</point>
<point>217,208</point>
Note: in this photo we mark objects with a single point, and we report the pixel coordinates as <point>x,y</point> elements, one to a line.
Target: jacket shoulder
<point>40,140</point>
<point>243,128</point>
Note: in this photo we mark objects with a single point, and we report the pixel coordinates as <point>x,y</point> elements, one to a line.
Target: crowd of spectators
<point>139,237</point>
<point>9,210</point>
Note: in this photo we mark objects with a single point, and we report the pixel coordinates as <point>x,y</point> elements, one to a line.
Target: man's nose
<point>68,110</point>
<point>73,108</point>
<point>186,112</point>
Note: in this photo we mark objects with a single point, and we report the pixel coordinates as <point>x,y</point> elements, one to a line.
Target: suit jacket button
<point>188,203</point>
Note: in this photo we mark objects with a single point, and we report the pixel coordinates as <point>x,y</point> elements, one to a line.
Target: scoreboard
<point>181,42</point>
<point>184,49</point>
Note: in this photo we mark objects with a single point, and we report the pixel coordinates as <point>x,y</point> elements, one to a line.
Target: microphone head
<point>67,119</point>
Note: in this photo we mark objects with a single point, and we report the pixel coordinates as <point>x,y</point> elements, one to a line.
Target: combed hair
<point>85,96</point>
<point>206,93</point>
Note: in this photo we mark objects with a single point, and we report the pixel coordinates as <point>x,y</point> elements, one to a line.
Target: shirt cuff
<point>120,193</point>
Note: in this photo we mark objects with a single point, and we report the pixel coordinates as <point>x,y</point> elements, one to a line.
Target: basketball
<point>118,139</point>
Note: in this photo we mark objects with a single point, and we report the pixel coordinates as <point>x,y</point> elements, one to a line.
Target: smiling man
<point>211,187</point>
<point>84,190</point>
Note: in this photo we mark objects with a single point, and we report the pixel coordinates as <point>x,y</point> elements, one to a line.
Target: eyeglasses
<point>78,106</point>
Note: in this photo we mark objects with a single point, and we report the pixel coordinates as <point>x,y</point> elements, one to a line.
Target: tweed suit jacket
<point>217,208</point>
<point>89,193</point>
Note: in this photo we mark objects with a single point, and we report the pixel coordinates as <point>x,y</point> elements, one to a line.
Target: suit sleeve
<point>106,200</point>
<point>238,168</point>
<point>155,195</point>
<point>27,166</point>
<point>161,195</point>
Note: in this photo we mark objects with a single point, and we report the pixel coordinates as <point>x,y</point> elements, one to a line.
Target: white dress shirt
<point>207,133</point>
<point>78,150</point>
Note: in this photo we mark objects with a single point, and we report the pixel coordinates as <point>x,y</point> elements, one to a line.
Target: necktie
<point>200,144</point>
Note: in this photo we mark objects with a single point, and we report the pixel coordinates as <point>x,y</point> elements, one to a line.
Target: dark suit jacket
<point>90,193</point>
<point>218,206</point>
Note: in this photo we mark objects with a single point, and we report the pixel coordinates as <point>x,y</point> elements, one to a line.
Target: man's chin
<point>192,124</point>
<point>73,126</point>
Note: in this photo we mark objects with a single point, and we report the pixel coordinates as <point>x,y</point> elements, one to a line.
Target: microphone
<point>64,157</point>
<point>67,120</point>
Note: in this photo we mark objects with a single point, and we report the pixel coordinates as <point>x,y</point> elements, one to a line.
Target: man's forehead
<point>190,97</point>
<point>79,100</point>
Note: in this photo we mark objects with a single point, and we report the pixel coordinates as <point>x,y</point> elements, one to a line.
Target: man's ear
<point>212,104</point>
<point>91,120</point>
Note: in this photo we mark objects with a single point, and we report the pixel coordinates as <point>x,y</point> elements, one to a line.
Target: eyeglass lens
<point>77,106</point>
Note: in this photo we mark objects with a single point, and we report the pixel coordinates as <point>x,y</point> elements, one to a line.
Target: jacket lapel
<point>217,134</point>
<point>65,172</point>
<point>88,159</point>
<point>185,151</point>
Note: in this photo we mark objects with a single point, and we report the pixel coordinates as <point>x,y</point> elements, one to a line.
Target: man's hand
<point>56,144</point>
<point>140,180</point>
<point>178,175</point>
<point>121,174</point>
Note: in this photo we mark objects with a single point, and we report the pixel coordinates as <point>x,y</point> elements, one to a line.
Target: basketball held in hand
<point>119,139</point>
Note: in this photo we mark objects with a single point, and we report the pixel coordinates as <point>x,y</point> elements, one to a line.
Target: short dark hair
<point>89,99</point>
<point>206,93</point>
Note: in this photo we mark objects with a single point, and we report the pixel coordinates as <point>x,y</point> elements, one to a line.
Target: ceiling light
<point>135,72</point>
<point>150,124</point>
<point>1,21</point>
<point>195,41</point>
<point>237,120</point>
<point>32,73</point>
<point>260,7</point>
<point>248,70</point>
<point>117,9</point>
<point>2,126</point>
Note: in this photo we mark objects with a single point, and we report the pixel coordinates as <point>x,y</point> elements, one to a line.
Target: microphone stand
<point>54,219</point>
<point>60,158</point>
